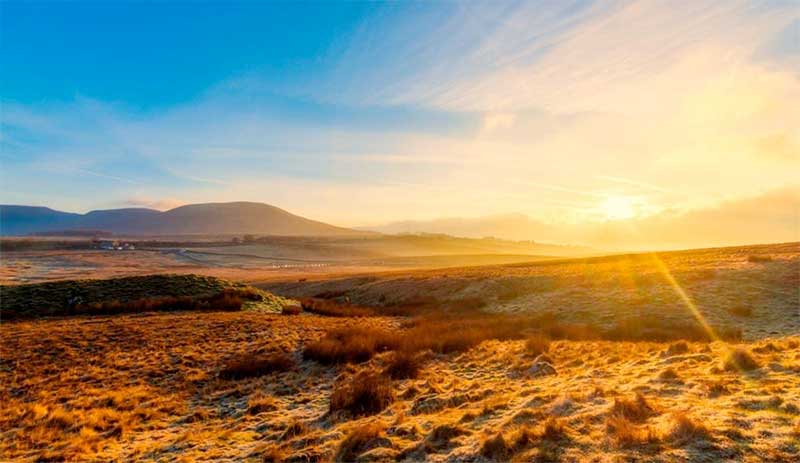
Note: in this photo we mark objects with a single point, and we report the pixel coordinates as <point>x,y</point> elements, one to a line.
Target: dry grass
<point>254,365</point>
<point>686,431</point>
<point>637,409</point>
<point>403,365</point>
<point>668,375</point>
<point>152,293</point>
<point>291,310</point>
<point>496,448</point>
<point>739,360</point>
<point>149,390</point>
<point>350,345</point>
<point>366,393</point>
<point>537,344</point>
<point>331,308</point>
<point>260,403</point>
<point>361,439</point>
<point>147,387</point>
<point>627,434</point>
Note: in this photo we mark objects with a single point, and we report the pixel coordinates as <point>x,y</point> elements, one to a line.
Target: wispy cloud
<point>459,108</point>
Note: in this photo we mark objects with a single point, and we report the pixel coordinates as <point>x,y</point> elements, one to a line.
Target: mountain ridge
<point>239,217</point>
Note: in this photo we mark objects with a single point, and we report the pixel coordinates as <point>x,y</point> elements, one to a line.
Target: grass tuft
<point>537,344</point>
<point>636,410</point>
<point>364,394</point>
<point>254,365</point>
<point>686,431</point>
<point>403,365</point>
<point>360,440</point>
<point>740,360</point>
<point>496,448</point>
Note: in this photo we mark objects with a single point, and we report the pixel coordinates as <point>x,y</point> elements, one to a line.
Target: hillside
<point>193,219</point>
<point>60,298</point>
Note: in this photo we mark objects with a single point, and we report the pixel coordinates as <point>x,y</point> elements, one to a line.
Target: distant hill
<point>205,219</point>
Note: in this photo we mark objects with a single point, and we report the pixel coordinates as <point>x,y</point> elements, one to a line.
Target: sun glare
<point>618,208</point>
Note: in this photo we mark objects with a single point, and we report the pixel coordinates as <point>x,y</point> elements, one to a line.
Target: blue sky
<point>368,112</point>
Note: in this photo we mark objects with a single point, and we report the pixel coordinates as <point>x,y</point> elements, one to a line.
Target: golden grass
<point>254,365</point>
<point>360,439</point>
<point>637,409</point>
<point>366,393</point>
<point>403,365</point>
<point>739,360</point>
<point>148,388</point>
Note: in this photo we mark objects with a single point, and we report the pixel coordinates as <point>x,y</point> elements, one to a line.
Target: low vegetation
<point>332,308</point>
<point>361,439</point>
<point>366,393</point>
<point>254,365</point>
<point>435,381</point>
<point>403,365</point>
<point>152,293</point>
<point>740,360</point>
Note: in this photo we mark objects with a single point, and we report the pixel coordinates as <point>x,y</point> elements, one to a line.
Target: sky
<point>576,115</point>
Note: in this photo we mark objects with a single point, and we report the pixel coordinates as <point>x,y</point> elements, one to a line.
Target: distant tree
<point>249,238</point>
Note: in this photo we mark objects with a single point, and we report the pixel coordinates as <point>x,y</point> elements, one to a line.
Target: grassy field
<point>84,296</point>
<point>176,387</point>
<point>41,259</point>
<point>626,358</point>
<point>754,288</point>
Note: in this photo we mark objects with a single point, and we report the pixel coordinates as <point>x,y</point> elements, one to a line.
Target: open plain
<point>459,370</point>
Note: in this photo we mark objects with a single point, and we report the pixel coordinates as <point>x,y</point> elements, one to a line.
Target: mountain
<point>202,219</point>
<point>21,220</point>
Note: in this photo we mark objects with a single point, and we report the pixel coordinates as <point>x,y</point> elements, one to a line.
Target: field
<point>573,360</point>
<point>31,260</point>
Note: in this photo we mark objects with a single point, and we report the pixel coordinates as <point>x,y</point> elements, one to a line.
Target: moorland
<point>683,356</point>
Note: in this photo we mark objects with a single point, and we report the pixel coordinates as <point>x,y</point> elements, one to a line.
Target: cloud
<point>461,109</point>
<point>163,204</point>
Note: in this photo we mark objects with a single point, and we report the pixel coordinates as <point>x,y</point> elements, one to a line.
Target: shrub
<point>331,308</point>
<point>295,428</point>
<point>360,440</point>
<point>686,430</point>
<point>363,394</point>
<point>253,365</point>
<point>271,454</point>
<point>678,348</point>
<point>496,448</point>
<point>291,310</point>
<point>553,430</point>
<point>668,375</point>
<point>440,437</point>
<point>350,345</point>
<point>260,403</point>
<point>403,365</point>
<point>446,333</point>
<point>636,409</point>
<point>626,434</point>
<point>759,258</point>
<point>537,344</point>
<point>740,360</point>
<point>717,389</point>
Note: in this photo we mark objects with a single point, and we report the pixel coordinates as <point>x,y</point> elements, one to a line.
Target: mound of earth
<point>56,298</point>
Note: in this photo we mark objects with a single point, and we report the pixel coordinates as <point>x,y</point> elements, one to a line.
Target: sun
<point>618,208</point>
